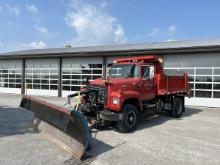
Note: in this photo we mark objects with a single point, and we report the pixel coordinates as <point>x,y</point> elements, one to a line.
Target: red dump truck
<point>134,86</point>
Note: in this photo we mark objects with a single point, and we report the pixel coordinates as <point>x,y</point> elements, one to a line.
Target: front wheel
<point>129,119</point>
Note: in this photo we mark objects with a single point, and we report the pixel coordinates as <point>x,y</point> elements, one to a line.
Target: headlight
<point>115,101</point>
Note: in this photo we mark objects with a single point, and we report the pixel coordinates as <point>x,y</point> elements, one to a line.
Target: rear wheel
<point>177,107</point>
<point>130,118</point>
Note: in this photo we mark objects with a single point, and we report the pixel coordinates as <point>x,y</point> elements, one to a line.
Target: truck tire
<point>129,118</point>
<point>177,107</point>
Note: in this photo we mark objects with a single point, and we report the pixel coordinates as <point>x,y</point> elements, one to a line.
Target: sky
<point>37,24</point>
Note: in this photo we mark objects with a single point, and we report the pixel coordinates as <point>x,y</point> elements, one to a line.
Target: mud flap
<point>67,128</point>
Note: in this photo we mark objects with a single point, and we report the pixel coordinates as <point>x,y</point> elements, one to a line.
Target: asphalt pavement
<point>192,139</point>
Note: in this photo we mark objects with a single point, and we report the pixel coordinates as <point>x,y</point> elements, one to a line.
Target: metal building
<point>60,71</point>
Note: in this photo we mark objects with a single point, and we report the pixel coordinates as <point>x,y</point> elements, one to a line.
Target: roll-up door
<point>76,71</point>
<point>10,76</point>
<point>42,77</point>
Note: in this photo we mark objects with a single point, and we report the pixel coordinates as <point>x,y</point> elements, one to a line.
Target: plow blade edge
<point>69,129</point>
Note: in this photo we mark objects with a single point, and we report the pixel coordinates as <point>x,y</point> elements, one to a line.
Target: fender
<point>124,97</point>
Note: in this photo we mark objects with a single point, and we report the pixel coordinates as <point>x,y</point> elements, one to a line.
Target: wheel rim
<point>131,119</point>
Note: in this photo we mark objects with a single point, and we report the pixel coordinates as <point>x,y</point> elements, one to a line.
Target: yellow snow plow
<point>67,128</point>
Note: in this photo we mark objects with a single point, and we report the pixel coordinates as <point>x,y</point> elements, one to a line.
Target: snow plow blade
<point>69,129</point>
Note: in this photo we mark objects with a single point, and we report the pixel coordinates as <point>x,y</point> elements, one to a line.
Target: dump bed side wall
<point>172,84</point>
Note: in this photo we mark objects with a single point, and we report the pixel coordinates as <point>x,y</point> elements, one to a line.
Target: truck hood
<point>99,82</point>
<point>113,81</point>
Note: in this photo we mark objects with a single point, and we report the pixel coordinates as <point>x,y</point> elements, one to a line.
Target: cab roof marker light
<point>161,60</point>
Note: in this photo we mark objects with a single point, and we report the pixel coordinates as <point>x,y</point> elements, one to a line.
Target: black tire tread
<point>173,112</point>
<point>121,123</point>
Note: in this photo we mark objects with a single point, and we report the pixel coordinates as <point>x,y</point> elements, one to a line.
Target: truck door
<point>147,88</point>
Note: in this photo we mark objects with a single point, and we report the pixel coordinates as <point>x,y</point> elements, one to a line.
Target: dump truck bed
<point>173,83</point>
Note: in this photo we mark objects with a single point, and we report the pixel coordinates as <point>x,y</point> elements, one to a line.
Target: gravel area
<point>192,139</point>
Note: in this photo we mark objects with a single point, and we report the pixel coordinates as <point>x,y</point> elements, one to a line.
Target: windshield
<point>124,71</point>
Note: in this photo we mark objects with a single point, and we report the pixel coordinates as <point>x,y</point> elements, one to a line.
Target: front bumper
<point>109,116</point>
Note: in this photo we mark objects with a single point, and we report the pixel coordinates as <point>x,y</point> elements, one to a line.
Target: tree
<point>68,46</point>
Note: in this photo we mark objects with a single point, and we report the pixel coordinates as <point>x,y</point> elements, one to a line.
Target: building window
<point>203,86</point>
<point>44,77</point>
<point>204,71</point>
<point>216,86</point>
<point>216,94</point>
<point>75,76</point>
<point>204,79</point>
<point>10,76</point>
<point>206,94</point>
<point>217,79</point>
<point>217,71</point>
<point>191,85</point>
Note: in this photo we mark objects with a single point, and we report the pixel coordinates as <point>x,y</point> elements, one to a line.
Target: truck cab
<point>130,81</point>
<point>134,86</point>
